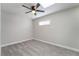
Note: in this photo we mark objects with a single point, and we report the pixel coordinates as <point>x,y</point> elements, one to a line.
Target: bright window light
<point>47,22</point>
<point>45,5</point>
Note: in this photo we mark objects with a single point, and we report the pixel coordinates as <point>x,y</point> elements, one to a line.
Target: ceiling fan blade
<point>37,5</point>
<point>28,12</point>
<point>40,11</point>
<point>26,7</point>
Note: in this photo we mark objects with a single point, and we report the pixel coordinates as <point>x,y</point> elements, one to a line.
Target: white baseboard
<point>14,42</point>
<point>59,45</point>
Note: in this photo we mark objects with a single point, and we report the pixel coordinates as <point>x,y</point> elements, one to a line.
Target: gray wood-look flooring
<point>36,48</point>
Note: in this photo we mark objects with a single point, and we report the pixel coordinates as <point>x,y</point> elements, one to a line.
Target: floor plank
<point>36,48</point>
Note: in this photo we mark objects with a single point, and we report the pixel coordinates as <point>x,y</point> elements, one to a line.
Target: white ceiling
<point>55,8</point>
<point>17,8</point>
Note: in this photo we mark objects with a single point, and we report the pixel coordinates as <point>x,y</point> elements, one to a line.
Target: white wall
<point>63,30</point>
<point>15,27</point>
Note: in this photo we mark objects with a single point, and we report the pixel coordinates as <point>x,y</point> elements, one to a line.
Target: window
<point>47,22</point>
<point>47,4</point>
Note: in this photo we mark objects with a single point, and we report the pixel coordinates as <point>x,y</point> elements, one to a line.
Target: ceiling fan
<point>33,9</point>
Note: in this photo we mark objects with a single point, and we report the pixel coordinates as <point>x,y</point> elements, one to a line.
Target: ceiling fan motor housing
<point>33,8</point>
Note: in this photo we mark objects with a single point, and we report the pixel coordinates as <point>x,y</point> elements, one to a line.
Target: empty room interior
<point>36,29</point>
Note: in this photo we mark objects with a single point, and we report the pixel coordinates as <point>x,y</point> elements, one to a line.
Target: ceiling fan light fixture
<point>33,12</point>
